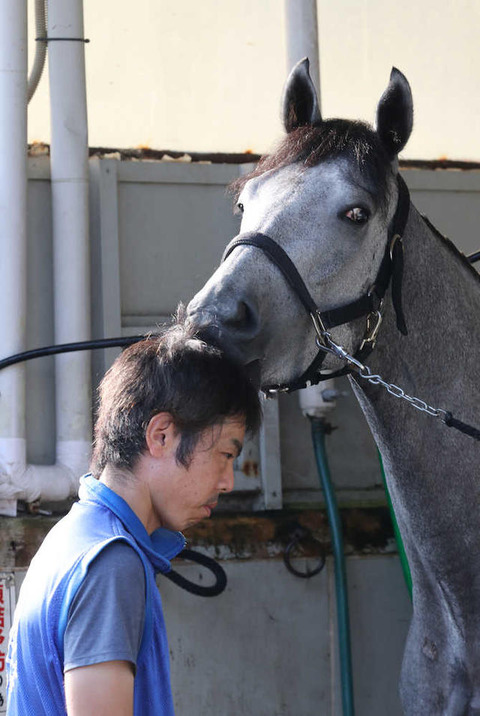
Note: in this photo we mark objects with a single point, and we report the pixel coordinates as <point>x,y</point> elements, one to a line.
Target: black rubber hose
<point>197,589</point>
<point>70,348</point>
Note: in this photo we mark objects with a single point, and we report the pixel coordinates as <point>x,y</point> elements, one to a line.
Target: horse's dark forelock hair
<point>330,139</point>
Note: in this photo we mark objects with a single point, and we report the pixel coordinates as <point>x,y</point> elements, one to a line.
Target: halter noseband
<point>369,305</point>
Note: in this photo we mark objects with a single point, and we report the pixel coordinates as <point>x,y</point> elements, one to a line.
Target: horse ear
<point>395,114</point>
<point>300,103</point>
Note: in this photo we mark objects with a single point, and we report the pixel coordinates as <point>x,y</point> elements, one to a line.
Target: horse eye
<point>240,208</point>
<point>358,215</point>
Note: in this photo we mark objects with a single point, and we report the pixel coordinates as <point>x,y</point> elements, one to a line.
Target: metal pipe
<point>69,178</point>
<point>40,46</point>
<point>69,185</point>
<point>13,243</point>
<point>302,37</point>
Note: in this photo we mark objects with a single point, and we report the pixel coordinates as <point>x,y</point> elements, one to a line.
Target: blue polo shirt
<point>35,663</point>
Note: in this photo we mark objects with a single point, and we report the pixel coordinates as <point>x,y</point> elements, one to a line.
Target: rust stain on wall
<point>250,468</point>
<point>232,536</point>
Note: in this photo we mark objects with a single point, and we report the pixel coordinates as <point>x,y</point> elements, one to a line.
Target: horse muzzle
<point>232,324</point>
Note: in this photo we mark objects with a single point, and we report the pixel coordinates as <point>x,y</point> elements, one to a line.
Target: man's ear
<point>160,434</point>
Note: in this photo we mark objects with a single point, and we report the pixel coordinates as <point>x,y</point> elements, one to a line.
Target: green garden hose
<point>319,428</point>
<point>398,537</point>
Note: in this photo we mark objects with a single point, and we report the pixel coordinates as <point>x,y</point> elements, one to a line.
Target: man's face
<point>190,494</point>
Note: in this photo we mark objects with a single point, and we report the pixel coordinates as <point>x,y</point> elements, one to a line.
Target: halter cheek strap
<point>370,304</point>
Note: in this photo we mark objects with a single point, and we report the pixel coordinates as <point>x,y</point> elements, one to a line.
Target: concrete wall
<point>268,645</point>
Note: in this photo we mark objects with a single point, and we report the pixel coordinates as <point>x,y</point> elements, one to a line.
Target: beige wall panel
<point>434,44</point>
<point>208,76</point>
<point>180,75</point>
<point>172,234</point>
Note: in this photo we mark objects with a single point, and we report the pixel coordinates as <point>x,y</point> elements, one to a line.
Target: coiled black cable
<point>198,589</point>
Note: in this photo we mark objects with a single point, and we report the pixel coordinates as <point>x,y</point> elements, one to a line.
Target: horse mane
<point>330,139</point>
<point>452,247</point>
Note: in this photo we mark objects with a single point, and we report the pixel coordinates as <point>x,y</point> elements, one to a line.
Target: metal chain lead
<point>325,342</point>
<point>398,392</point>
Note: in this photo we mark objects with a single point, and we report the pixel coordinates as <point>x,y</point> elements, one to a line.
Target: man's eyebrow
<point>238,445</point>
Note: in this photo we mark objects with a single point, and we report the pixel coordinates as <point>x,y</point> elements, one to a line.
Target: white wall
<point>436,46</point>
<point>207,76</point>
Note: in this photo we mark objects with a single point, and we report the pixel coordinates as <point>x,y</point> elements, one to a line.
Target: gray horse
<point>330,198</point>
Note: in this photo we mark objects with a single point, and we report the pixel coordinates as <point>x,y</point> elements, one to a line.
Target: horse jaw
<point>247,306</point>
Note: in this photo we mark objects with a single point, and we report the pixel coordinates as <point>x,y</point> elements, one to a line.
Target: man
<point>88,637</point>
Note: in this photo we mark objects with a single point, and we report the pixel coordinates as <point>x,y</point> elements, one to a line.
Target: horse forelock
<point>331,139</point>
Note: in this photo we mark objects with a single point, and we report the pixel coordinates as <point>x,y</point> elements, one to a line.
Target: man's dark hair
<point>175,373</point>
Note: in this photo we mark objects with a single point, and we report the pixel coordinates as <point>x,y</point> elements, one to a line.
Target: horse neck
<point>437,361</point>
<point>431,469</point>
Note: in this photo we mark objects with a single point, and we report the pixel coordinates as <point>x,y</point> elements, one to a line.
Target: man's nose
<point>228,479</point>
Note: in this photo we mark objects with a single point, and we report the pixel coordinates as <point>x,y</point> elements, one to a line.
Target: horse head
<point>327,197</point>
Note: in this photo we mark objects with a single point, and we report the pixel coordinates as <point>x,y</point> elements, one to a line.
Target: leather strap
<point>280,258</point>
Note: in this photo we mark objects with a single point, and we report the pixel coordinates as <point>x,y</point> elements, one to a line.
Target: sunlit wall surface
<point>207,76</point>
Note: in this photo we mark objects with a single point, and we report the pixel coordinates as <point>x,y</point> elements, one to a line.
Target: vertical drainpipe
<point>13,243</point>
<point>302,37</point>
<point>69,178</point>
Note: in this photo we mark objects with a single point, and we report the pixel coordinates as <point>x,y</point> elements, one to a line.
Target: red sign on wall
<point>7,606</point>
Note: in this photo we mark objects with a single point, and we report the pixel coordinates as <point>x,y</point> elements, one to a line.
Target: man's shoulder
<point>118,554</point>
<point>116,569</point>
<point>112,594</point>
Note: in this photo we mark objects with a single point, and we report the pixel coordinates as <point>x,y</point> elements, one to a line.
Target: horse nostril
<point>240,316</point>
<point>224,317</point>
<point>242,319</point>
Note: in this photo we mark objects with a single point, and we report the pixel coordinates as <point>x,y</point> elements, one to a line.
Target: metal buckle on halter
<point>371,332</point>
<point>377,301</point>
<point>273,390</point>
<point>323,338</point>
<point>394,240</point>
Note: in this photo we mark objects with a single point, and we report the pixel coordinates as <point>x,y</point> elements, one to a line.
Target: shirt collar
<point>160,547</point>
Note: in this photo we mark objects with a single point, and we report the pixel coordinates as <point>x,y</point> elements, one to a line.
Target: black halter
<point>370,304</point>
